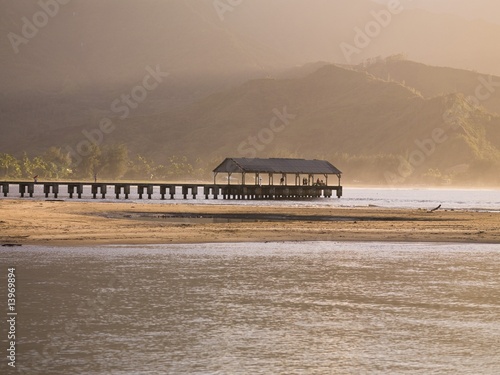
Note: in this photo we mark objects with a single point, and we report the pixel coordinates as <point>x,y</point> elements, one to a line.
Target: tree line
<point>114,162</point>
<point>104,162</point>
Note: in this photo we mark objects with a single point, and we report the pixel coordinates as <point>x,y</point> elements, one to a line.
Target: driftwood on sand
<point>435,209</point>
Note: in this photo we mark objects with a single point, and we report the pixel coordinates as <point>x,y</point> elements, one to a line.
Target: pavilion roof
<point>276,165</point>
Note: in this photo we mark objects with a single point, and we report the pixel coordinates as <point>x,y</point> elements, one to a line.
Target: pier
<point>119,190</point>
<point>310,180</point>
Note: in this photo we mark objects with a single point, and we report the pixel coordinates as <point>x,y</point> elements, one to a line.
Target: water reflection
<point>288,308</point>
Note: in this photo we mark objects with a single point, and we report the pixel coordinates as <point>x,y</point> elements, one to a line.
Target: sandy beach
<point>61,223</point>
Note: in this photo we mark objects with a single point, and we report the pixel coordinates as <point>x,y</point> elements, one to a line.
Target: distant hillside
<point>433,81</point>
<point>92,52</point>
<point>377,130</point>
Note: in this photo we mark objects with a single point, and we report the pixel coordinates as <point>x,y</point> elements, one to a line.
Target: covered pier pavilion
<point>278,178</point>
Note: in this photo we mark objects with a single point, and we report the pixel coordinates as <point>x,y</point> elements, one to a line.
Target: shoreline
<point>77,223</point>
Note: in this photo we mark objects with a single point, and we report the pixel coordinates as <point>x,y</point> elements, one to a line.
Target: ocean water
<point>460,199</point>
<point>273,308</point>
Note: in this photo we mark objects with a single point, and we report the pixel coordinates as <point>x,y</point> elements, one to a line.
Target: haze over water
<point>468,199</point>
<point>275,308</point>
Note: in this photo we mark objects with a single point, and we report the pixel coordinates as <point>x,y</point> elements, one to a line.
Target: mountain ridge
<point>330,112</point>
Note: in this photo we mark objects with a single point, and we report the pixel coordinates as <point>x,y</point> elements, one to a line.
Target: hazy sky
<point>95,43</point>
<point>471,9</point>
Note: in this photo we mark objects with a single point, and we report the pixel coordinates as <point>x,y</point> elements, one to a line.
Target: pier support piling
<point>119,188</point>
<point>5,188</point>
<point>148,188</point>
<point>48,187</point>
<point>29,186</point>
<point>99,187</point>
<point>77,187</point>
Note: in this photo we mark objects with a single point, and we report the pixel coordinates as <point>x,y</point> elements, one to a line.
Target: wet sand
<point>58,223</point>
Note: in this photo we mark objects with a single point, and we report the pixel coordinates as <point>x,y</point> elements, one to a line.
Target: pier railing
<point>216,191</point>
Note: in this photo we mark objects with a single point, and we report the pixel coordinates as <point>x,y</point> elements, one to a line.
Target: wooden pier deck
<point>214,191</point>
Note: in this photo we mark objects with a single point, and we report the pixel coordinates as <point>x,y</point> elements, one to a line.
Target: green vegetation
<point>433,81</point>
<point>108,162</point>
<point>114,163</point>
<point>53,164</point>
